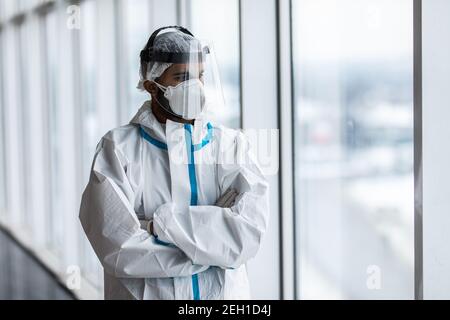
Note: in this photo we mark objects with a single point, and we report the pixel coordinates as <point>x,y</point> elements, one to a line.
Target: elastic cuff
<point>158,232</point>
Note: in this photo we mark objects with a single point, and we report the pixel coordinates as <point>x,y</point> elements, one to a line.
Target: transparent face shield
<point>191,87</point>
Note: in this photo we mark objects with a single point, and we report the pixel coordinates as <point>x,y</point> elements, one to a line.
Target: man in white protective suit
<point>175,205</point>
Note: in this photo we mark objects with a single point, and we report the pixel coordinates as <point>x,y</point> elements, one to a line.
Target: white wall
<point>436,151</point>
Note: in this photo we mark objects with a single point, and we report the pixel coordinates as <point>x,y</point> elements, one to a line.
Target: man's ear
<point>151,87</point>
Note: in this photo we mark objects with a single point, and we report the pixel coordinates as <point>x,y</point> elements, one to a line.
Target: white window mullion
<point>259,111</point>
<point>36,136</point>
<point>286,151</point>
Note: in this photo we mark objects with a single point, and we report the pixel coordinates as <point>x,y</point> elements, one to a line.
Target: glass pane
<point>24,122</point>
<point>353,85</point>
<point>218,22</point>
<point>89,120</point>
<point>9,8</point>
<point>55,236</point>
<point>25,4</point>
<point>3,205</point>
<point>136,26</point>
<point>88,79</point>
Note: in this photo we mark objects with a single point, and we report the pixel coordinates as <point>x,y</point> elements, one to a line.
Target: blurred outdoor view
<point>353,84</point>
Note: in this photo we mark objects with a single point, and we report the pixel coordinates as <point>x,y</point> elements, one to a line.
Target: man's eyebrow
<point>180,73</point>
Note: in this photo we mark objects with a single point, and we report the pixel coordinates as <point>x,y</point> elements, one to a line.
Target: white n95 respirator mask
<point>186,100</point>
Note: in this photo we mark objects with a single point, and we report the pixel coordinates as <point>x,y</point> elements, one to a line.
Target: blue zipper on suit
<point>190,148</point>
<point>194,194</point>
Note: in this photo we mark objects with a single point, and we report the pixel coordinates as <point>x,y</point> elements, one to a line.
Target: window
<point>55,218</point>
<point>353,132</point>
<point>25,4</point>
<point>11,155</point>
<point>88,86</point>
<point>218,22</point>
<point>136,31</point>
<point>3,197</point>
<point>13,125</point>
<point>9,8</point>
<point>24,121</point>
<point>89,120</point>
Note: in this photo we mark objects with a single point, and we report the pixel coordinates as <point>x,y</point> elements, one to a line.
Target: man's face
<point>178,73</point>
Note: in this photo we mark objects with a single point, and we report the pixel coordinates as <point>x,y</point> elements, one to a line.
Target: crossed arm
<point>227,200</point>
<point>224,235</point>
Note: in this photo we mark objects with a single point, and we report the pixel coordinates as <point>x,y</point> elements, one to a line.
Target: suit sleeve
<point>113,229</point>
<point>224,237</point>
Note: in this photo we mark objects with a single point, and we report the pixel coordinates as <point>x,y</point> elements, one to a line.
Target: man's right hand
<point>227,199</point>
<point>147,225</point>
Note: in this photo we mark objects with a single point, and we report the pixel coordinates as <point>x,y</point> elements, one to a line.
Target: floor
<point>23,278</point>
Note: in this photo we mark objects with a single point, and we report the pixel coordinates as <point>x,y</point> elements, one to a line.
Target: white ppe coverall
<point>174,174</point>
